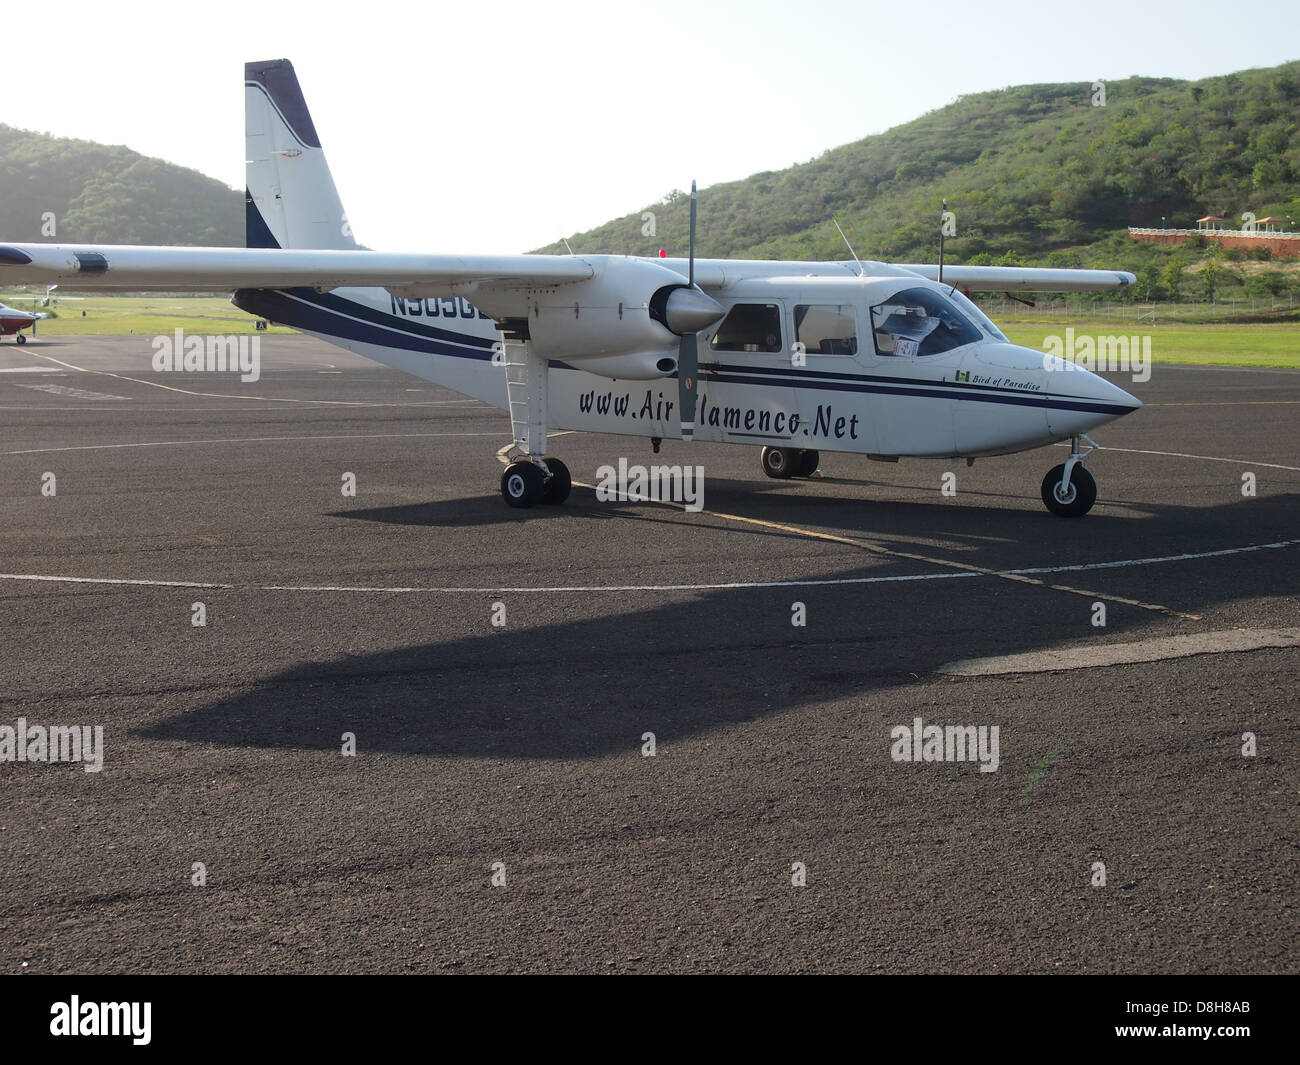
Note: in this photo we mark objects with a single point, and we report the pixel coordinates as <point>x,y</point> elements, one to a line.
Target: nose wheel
<point>1069,490</point>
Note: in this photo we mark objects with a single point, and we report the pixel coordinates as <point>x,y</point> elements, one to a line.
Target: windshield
<point>919,321</point>
<point>972,310</point>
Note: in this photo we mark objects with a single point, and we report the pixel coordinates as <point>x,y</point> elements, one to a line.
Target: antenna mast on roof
<point>850,247</point>
<point>943,221</point>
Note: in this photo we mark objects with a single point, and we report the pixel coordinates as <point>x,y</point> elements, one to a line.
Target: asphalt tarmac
<point>524,743</point>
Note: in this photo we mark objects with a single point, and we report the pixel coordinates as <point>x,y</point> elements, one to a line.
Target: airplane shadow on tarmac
<point>592,685</point>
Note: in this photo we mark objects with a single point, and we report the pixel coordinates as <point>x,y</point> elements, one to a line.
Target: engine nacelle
<point>631,309</point>
<point>638,366</point>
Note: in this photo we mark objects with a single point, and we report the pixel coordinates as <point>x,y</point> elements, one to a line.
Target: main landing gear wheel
<point>560,484</point>
<point>778,462</point>
<point>523,484</point>
<point>1073,500</point>
<point>783,462</point>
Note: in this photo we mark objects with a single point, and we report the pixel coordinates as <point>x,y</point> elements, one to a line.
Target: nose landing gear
<point>1069,490</point>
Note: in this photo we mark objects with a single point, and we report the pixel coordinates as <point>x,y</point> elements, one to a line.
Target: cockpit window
<point>972,310</point>
<point>919,321</point>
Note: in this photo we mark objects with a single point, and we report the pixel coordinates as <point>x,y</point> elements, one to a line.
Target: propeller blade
<point>691,307</point>
<point>690,280</point>
<point>688,368</point>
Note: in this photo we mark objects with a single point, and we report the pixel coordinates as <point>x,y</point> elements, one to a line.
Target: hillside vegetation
<point>108,194</point>
<point>1035,174</point>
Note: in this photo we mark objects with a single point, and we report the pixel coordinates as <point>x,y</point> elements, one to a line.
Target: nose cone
<point>688,310</point>
<point>1081,399</point>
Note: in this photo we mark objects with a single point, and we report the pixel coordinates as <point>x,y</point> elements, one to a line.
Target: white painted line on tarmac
<point>243,440</point>
<point>67,392</point>
<point>483,590</point>
<point>110,580</point>
<point>1199,458</point>
<point>871,547</point>
<point>255,412</point>
<point>1161,558</point>
<point>569,588</point>
<point>1158,649</point>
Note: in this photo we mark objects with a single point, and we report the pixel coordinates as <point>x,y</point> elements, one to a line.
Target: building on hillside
<point>1276,234</point>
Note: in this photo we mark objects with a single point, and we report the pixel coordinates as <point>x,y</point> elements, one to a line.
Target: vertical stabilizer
<point>292,201</point>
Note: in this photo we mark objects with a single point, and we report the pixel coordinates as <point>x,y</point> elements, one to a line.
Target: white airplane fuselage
<point>987,397</point>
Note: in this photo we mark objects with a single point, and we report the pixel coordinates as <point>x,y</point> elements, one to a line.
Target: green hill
<point>1035,174</point>
<point>109,194</point>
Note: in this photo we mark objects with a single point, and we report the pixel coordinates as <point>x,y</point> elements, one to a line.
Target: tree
<point>1172,276</point>
<point>1211,275</point>
<point>1149,282</point>
<point>1267,283</point>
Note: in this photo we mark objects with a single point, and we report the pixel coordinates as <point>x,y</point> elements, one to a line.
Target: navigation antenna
<point>850,247</point>
<point>566,243</point>
<point>943,219</point>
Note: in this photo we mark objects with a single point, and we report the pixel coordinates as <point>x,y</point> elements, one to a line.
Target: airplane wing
<point>498,283</point>
<point>173,269</point>
<point>181,269</point>
<point>1024,278</point>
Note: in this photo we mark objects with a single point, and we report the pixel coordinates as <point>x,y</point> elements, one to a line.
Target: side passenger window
<point>826,329</point>
<point>749,327</point>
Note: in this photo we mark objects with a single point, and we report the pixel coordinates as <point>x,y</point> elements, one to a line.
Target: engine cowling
<point>632,312</point>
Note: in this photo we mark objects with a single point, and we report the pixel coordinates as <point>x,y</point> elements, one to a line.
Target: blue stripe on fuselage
<point>331,315</point>
<point>324,312</point>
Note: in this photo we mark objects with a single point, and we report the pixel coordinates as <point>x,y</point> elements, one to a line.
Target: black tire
<point>779,462</point>
<point>1078,500</point>
<point>20,338</point>
<point>522,484</point>
<point>558,487</point>
<point>806,463</point>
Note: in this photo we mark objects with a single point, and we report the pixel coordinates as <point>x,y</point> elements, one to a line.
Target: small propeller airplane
<point>14,321</point>
<point>871,358</point>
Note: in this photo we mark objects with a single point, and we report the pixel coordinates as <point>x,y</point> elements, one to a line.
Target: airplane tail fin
<point>291,199</point>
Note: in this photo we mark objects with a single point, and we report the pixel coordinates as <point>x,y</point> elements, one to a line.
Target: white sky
<point>495,127</point>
